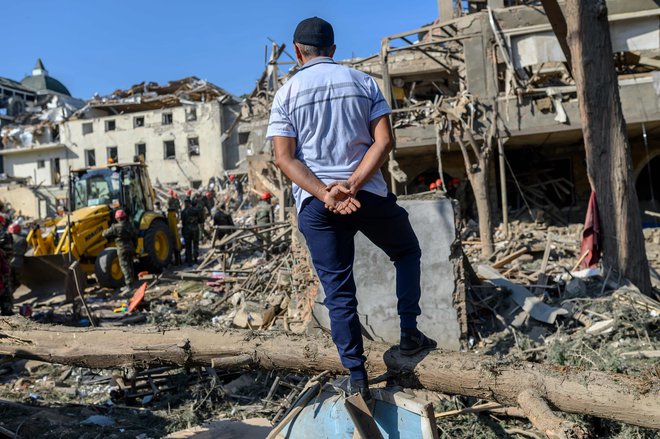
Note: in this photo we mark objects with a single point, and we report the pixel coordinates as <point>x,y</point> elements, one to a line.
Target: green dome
<point>39,81</point>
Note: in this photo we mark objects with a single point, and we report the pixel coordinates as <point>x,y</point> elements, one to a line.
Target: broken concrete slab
<point>443,292</point>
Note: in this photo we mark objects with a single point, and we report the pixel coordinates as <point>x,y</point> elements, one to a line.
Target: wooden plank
<point>362,418</point>
<point>510,258</point>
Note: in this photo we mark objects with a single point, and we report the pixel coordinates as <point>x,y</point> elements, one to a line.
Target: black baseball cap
<point>315,32</point>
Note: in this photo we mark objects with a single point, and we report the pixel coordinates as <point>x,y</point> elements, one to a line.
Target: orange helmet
<point>14,229</point>
<point>433,187</point>
<point>120,214</point>
<point>265,196</point>
<point>438,182</point>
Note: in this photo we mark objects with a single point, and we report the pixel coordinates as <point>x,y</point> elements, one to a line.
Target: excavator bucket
<point>46,275</point>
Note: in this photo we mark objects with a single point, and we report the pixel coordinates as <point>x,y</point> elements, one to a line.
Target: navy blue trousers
<point>330,241</point>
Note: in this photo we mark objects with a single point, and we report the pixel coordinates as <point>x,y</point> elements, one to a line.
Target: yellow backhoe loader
<point>95,194</point>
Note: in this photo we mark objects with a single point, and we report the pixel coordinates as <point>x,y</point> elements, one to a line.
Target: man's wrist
<point>353,185</point>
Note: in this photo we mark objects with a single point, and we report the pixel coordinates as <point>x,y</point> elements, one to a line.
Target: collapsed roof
<point>152,96</point>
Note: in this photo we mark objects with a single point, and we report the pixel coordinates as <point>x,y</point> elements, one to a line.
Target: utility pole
<point>609,164</point>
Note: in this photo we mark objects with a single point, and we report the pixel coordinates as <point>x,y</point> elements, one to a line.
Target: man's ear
<point>298,53</point>
<point>332,50</point>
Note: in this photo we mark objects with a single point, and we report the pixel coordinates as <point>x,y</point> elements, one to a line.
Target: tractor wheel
<point>157,246</point>
<point>107,269</point>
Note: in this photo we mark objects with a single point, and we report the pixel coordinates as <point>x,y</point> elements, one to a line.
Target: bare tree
<point>609,164</point>
<point>476,168</point>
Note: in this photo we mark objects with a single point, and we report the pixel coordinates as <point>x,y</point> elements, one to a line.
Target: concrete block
<point>443,291</point>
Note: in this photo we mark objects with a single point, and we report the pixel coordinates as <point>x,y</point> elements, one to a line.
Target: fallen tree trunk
<point>611,396</point>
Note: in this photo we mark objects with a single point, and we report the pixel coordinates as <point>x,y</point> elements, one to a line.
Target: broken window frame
<point>138,122</point>
<point>144,150</point>
<point>193,146</point>
<point>109,155</point>
<point>87,128</point>
<point>41,164</point>
<point>167,119</point>
<point>110,125</point>
<point>243,137</point>
<point>90,157</point>
<point>191,114</point>
<point>166,152</point>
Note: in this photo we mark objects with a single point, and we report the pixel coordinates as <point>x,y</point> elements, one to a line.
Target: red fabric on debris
<point>591,236</point>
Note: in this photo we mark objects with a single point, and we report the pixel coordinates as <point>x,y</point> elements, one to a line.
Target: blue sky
<point>99,46</point>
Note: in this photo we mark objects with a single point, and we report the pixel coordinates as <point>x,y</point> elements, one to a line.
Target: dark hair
<point>313,51</point>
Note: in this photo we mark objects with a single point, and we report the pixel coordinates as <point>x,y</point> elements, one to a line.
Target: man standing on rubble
<point>331,134</point>
<point>124,235</point>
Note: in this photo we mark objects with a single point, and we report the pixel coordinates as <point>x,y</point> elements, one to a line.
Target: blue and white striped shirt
<point>328,109</point>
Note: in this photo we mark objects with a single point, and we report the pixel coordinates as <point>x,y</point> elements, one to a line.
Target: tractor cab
<point>117,186</point>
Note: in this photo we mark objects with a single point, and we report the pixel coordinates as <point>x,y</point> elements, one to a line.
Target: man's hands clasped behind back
<point>340,198</point>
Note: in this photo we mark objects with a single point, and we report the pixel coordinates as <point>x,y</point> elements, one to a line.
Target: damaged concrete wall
<point>183,167</point>
<point>443,291</point>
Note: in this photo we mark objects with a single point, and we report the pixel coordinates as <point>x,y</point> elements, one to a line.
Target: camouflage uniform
<point>16,262</point>
<point>191,217</point>
<point>264,215</point>
<point>221,218</point>
<point>173,204</point>
<point>124,235</point>
<point>173,211</point>
<point>6,287</point>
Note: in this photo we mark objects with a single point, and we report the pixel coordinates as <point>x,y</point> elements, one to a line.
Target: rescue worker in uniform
<point>173,202</point>
<point>6,253</point>
<point>173,210</point>
<point>124,236</point>
<point>221,218</point>
<point>16,262</point>
<point>190,230</point>
<point>264,215</point>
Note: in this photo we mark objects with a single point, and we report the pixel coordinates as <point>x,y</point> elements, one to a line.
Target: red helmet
<point>120,214</point>
<point>14,229</point>
<point>189,192</point>
<point>209,195</point>
<point>171,192</point>
<point>438,182</point>
<point>232,177</point>
<point>265,196</point>
<point>433,187</point>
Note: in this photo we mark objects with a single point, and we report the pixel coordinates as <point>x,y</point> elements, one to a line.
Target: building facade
<point>182,145</point>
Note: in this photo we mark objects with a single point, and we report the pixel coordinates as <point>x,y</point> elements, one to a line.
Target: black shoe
<point>361,387</point>
<point>413,342</point>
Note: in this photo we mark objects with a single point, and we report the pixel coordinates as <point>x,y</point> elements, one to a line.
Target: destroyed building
<point>504,64</point>
<point>31,149</point>
<point>177,128</point>
<point>500,61</point>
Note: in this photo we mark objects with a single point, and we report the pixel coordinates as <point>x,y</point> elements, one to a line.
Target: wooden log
<point>542,417</point>
<point>611,396</point>
<point>510,258</point>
